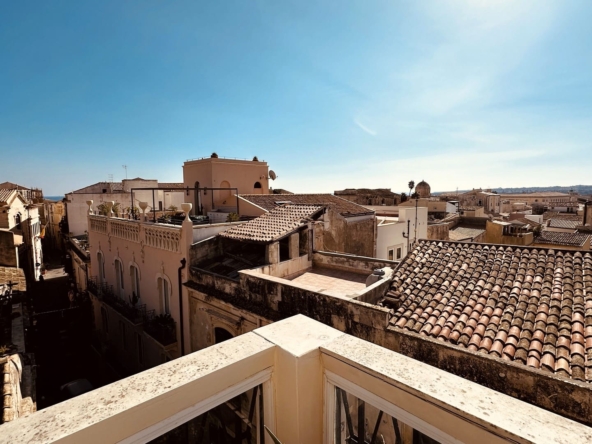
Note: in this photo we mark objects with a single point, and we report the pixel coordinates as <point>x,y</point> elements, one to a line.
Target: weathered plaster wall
<point>438,232</point>
<point>357,264</point>
<point>349,235</point>
<point>272,299</point>
<point>565,397</point>
<point>8,251</point>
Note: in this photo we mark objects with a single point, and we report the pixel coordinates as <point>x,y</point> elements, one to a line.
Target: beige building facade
<point>230,177</point>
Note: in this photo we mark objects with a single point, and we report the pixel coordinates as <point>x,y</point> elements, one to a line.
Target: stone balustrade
<point>158,236</point>
<point>98,224</point>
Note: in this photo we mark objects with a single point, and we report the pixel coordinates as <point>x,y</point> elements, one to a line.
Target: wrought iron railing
<point>162,329</point>
<point>103,291</point>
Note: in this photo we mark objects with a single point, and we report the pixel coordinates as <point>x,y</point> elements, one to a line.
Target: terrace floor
<point>332,282</point>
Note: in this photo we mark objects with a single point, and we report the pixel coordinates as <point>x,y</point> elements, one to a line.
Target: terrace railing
<point>163,237</point>
<point>347,391</point>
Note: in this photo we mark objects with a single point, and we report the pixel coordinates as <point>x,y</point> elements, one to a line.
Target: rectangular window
<point>390,254</point>
<point>399,252</point>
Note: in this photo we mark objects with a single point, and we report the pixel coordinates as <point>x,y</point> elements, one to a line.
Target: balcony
<point>161,328</point>
<point>305,383</point>
<point>104,292</point>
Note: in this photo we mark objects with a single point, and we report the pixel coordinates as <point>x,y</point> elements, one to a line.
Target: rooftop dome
<point>423,189</point>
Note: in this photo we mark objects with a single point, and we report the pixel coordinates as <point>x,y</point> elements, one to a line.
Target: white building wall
<point>391,230</point>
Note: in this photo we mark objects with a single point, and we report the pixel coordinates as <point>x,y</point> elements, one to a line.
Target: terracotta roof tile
<point>273,225</point>
<point>526,305</point>
<point>343,206</point>
<point>566,239</point>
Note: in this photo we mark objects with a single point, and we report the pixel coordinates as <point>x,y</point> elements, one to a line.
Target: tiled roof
<point>11,186</point>
<point>524,305</point>
<point>385,192</point>
<point>566,216</point>
<point>171,185</point>
<point>12,275</point>
<point>342,206</point>
<point>463,233</point>
<point>567,239</point>
<point>273,225</point>
<point>525,221</point>
<point>563,223</point>
<point>5,195</point>
<point>90,189</point>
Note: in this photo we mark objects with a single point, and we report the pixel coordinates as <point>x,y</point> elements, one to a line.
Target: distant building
<point>396,234</point>
<point>365,196</point>
<point>508,233</point>
<point>218,181</point>
<point>348,228</point>
<point>20,236</point>
<point>159,198</point>
<point>423,190</point>
<point>481,198</point>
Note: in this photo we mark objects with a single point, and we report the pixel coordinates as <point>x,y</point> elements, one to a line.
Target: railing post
<point>298,377</point>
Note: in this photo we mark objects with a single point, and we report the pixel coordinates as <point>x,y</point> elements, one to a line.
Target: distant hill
<point>580,189</point>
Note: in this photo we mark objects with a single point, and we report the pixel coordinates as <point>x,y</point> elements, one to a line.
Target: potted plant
<point>7,349</point>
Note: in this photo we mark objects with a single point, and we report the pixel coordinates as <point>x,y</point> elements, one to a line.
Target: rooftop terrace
<point>306,383</point>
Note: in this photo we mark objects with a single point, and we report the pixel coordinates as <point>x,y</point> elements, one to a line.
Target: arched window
<point>17,220</point>
<point>221,335</point>
<point>257,185</point>
<point>164,293</point>
<point>224,194</point>
<point>119,278</point>
<point>100,267</point>
<point>135,279</point>
<point>257,188</point>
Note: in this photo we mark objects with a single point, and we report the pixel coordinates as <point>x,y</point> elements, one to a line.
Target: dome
<point>423,189</point>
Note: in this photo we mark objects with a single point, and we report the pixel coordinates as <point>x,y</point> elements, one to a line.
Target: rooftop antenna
<point>111,178</point>
<point>125,168</point>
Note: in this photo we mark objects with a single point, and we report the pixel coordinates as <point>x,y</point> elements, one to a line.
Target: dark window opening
<point>257,185</point>
<point>104,190</point>
<point>285,249</point>
<point>221,335</point>
<point>160,205</point>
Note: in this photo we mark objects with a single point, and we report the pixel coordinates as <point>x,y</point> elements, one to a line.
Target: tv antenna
<point>111,178</point>
<point>125,168</point>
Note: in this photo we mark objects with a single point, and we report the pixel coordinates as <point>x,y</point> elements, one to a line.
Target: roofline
<point>528,247</point>
<point>253,203</point>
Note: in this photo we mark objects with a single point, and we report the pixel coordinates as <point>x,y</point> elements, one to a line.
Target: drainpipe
<point>586,211</point>
<point>180,271</point>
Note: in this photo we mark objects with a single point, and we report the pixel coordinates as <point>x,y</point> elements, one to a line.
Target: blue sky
<point>332,94</point>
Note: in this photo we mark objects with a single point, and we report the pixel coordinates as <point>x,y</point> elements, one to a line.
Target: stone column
<point>294,245</point>
<point>272,253</point>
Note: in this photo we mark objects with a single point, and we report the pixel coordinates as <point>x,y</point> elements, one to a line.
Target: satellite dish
<point>272,175</point>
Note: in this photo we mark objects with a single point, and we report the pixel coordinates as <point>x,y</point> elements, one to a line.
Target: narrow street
<point>61,338</point>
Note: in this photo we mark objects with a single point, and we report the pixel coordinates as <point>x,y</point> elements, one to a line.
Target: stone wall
<point>272,299</point>
<point>16,388</point>
<point>355,235</point>
<point>438,232</point>
<point>357,264</point>
<point>568,398</point>
<point>8,253</point>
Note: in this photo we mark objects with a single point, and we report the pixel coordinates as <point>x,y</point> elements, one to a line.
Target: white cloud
<point>365,128</point>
